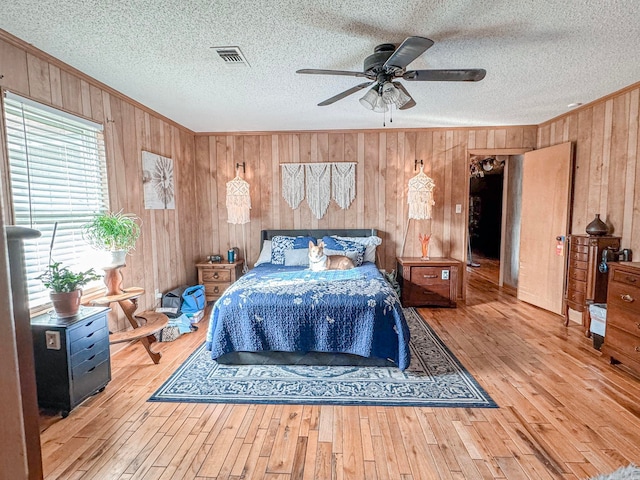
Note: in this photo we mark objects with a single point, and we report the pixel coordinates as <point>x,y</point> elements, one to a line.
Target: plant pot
<point>66,304</point>
<point>118,257</point>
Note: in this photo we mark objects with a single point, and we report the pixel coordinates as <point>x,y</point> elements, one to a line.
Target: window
<point>58,174</point>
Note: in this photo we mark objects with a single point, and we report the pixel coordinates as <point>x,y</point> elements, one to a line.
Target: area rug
<point>435,378</point>
<point>630,472</point>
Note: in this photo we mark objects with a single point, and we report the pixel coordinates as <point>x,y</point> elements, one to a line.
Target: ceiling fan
<point>388,63</point>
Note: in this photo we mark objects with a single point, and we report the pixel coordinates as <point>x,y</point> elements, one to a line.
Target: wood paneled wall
<point>385,163</point>
<point>165,255</point>
<point>607,168</point>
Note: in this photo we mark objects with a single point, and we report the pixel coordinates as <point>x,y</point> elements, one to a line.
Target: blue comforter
<point>292,309</point>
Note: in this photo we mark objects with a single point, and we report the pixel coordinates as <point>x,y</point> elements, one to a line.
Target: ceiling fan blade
<point>467,75</point>
<point>346,93</point>
<point>411,103</point>
<point>407,52</point>
<point>317,71</point>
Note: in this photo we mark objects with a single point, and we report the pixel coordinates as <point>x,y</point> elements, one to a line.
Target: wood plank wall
<point>165,255</point>
<point>385,163</point>
<point>607,168</point>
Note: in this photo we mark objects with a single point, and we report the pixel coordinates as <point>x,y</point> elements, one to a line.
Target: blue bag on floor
<point>193,299</point>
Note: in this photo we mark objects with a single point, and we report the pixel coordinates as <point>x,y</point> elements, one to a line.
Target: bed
<point>282,312</point>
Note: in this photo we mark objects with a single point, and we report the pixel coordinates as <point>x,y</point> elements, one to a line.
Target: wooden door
<point>546,197</point>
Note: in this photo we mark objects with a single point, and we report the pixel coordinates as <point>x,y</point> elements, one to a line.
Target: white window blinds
<point>58,174</point>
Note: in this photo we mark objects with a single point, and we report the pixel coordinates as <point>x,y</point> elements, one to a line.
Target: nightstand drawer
<point>216,276</point>
<point>214,289</point>
<point>430,276</point>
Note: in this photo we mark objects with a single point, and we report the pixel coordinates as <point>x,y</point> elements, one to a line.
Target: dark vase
<point>597,227</point>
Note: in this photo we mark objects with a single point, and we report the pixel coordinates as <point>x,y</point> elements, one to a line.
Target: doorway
<point>486,180</point>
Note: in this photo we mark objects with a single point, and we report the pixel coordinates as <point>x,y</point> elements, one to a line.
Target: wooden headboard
<point>354,232</point>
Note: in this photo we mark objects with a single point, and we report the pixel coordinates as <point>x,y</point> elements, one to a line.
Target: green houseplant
<point>64,287</point>
<point>113,232</point>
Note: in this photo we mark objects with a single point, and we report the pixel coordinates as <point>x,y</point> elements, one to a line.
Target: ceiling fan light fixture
<point>402,99</point>
<point>390,94</point>
<point>372,100</point>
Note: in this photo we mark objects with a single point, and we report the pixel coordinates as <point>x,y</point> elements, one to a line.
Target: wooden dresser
<point>432,282</point>
<point>217,277</point>
<point>622,339</point>
<point>71,357</point>
<point>585,283</point>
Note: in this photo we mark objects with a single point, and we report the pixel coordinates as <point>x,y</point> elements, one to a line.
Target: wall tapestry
<point>323,182</point>
<point>157,181</point>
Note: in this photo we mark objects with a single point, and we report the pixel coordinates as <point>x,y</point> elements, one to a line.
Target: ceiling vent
<point>231,56</point>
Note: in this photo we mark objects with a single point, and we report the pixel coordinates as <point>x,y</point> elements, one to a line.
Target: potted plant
<point>113,232</point>
<point>64,287</point>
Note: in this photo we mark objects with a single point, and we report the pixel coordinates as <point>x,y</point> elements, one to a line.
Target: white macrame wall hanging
<point>343,183</point>
<point>318,187</point>
<point>293,183</point>
<point>238,201</point>
<point>420,197</point>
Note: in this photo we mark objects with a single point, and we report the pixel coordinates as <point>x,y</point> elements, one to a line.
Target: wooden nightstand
<point>217,277</point>
<point>432,282</point>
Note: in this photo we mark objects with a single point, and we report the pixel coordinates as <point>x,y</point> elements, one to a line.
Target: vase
<point>425,250</point>
<point>66,304</point>
<point>597,227</point>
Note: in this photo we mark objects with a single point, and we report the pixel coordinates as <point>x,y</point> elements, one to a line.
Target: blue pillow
<point>353,250</point>
<point>281,243</point>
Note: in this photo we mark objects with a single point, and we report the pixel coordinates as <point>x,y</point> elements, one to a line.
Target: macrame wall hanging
<point>323,182</point>
<point>318,187</point>
<point>343,183</point>
<point>420,197</point>
<point>293,183</point>
<point>238,201</point>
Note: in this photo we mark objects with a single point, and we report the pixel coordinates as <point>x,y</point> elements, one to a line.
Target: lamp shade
<point>238,201</point>
<point>373,101</point>
<point>420,196</point>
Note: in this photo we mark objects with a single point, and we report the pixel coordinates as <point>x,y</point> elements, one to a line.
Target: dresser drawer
<point>95,377</point>
<point>430,276</point>
<point>212,275</point>
<point>88,340</point>
<point>577,274</point>
<point>576,296</point>
<point>624,296</point>
<point>623,319</point>
<point>579,240</point>
<point>579,248</point>
<point>628,345</point>
<point>577,286</point>
<point>88,366</point>
<point>576,264</point>
<point>626,278</point>
<point>99,344</point>
<point>579,256</point>
<point>86,328</point>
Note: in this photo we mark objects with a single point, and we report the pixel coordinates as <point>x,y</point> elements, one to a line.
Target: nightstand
<point>71,357</point>
<point>426,283</point>
<point>217,277</point>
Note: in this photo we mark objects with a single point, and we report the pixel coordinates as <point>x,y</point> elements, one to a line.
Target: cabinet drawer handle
<point>216,289</point>
<point>216,275</point>
<point>637,349</point>
<point>430,276</point>
<point>638,324</point>
<point>626,298</point>
<point>631,279</point>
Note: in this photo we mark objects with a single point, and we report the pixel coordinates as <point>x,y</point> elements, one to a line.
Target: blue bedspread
<point>293,309</point>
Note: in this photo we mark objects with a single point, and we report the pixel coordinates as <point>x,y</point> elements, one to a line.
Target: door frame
<point>491,152</point>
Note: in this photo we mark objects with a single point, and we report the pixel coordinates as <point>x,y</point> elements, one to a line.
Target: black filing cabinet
<point>71,357</point>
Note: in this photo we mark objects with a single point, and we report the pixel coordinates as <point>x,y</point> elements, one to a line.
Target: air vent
<point>231,56</point>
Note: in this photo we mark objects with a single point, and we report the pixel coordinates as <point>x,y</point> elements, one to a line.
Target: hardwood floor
<point>564,413</point>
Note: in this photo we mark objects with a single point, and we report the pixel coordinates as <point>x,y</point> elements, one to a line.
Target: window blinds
<point>58,174</point>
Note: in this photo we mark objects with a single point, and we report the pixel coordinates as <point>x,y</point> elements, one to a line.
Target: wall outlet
<point>158,293</point>
<point>458,208</point>
<point>52,339</point>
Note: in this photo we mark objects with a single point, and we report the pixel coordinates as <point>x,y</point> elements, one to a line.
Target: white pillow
<point>369,242</point>
<point>296,258</point>
<point>265,253</point>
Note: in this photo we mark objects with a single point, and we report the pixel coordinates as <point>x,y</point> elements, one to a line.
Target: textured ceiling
<point>540,56</point>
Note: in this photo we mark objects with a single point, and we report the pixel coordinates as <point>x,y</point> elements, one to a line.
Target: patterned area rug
<point>435,379</point>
